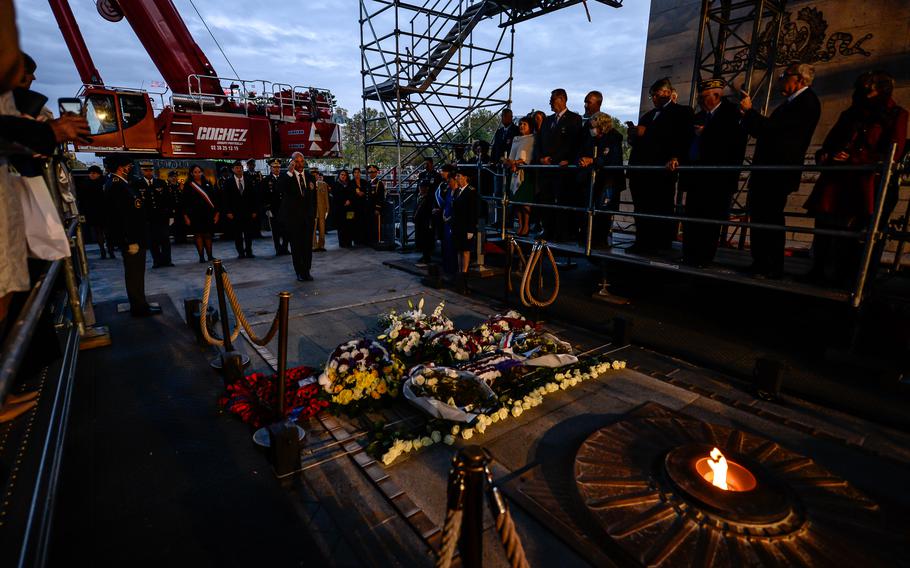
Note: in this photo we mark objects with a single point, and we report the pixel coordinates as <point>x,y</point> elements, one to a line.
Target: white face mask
<point>593,132</point>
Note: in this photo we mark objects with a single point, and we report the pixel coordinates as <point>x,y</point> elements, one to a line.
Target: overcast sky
<point>317,43</point>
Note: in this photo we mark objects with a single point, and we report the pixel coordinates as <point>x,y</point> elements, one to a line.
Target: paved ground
<point>359,513</point>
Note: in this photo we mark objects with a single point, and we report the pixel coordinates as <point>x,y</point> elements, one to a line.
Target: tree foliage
<point>377,129</point>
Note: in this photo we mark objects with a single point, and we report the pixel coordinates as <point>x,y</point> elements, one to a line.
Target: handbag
<point>44,231</point>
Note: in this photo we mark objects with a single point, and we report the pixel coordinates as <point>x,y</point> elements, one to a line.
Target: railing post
<point>222,305</point>
<point>72,290</point>
<point>479,229</point>
<point>873,234</point>
<point>472,460</point>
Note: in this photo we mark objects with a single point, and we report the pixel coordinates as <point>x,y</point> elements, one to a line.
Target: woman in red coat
<point>863,134</point>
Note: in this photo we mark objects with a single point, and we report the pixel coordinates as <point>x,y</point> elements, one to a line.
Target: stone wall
<point>880,29</point>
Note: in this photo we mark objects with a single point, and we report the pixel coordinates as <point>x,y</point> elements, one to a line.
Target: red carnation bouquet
<point>255,398</point>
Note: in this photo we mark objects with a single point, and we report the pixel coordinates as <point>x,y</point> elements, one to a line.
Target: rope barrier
<point>508,536</point>
<point>203,313</point>
<point>524,292</point>
<point>450,533</point>
<point>241,322</point>
<point>241,317</point>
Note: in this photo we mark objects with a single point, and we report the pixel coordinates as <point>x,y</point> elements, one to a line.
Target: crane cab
<point>120,120</point>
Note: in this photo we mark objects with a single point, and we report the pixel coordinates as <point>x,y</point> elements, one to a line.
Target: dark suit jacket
<point>668,133</point>
<point>783,139</point>
<point>241,206</point>
<point>298,206</point>
<point>722,142</point>
<point>560,141</point>
<point>502,141</point>
<point>464,214</point>
<point>128,224</point>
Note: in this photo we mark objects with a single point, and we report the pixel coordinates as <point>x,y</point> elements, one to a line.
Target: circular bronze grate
<point>638,478</point>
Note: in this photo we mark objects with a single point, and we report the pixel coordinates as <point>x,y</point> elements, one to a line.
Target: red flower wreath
<point>255,398</point>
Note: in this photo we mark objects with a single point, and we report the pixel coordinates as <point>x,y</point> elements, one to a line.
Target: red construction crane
<point>198,117</point>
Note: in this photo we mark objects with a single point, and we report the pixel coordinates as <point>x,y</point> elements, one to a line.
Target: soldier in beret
<point>129,231</point>
<point>718,140</point>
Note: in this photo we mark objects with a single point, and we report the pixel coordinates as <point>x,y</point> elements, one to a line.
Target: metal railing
<point>36,495</point>
<point>869,236</point>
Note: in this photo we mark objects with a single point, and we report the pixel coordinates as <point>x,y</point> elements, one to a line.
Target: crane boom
<point>75,42</point>
<point>169,43</point>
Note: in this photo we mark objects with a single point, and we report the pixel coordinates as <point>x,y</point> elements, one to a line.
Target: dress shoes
<point>308,277</point>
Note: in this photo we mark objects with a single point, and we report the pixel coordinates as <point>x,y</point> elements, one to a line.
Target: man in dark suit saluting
<point>298,214</point>
<point>780,139</point>
<point>241,207</point>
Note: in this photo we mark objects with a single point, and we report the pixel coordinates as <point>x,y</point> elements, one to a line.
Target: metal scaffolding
<point>429,68</point>
<point>737,41</point>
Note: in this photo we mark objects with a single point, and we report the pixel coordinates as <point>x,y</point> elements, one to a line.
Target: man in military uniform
<point>178,228</point>
<point>159,210</point>
<point>322,210</point>
<point>376,204</point>
<point>271,193</point>
<point>129,229</point>
<point>719,140</point>
<point>257,178</point>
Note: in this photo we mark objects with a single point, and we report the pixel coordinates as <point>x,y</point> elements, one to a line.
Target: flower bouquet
<point>489,367</point>
<point>405,333</point>
<point>255,397</point>
<point>450,347</point>
<point>359,371</point>
<point>496,328</point>
<point>448,394</point>
<point>541,349</point>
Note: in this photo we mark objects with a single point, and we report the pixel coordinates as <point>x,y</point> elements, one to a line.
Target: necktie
<point>240,185</point>
<point>300,183</point>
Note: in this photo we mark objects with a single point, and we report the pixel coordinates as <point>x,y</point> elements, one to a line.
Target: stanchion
<point>470,479</point>
<point>472,461</point>
<point>229,361</point>
<point>285,436</point>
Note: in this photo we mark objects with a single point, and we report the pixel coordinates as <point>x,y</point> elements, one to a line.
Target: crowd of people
<point>671,135</point>
<point>142,214</point>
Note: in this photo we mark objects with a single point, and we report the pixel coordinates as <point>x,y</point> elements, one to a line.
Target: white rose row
<point>561,381</point>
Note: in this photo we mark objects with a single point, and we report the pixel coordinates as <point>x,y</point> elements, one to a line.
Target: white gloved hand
<point>133,248</point>
<point>170,221</point>
<point>268,214</point>
<point>470,236</point>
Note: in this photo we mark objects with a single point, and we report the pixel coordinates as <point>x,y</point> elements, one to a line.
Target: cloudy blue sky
<point>317,43</point>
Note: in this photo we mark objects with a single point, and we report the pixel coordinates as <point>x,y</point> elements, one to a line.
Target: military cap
<point>715,83</point>
<point>95,169</point>
<point>275,162</point>
<point>237,163</point>
<point>146,164</point>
